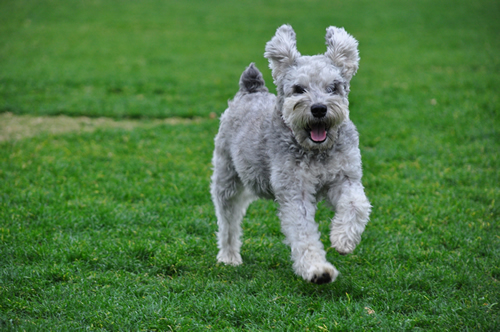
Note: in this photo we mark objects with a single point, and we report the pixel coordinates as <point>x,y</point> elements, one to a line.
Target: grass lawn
<point>107,224</point>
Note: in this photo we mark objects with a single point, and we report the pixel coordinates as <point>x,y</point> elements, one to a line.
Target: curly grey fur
<point>277,148</point>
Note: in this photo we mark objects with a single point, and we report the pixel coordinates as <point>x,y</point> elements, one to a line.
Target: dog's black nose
<point>318,110</point>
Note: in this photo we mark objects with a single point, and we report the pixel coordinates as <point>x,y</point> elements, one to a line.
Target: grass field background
<point>108,224</point>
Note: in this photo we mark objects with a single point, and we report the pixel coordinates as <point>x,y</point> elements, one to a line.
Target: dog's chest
<point>319,173</point>
<point>295,175</point>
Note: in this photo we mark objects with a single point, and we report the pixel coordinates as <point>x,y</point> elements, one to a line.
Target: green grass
<point>114,229</point>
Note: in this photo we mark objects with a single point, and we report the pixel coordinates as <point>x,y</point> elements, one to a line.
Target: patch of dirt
<point>14,127</point>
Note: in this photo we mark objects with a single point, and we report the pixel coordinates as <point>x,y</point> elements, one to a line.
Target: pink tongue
<point>318,133</point>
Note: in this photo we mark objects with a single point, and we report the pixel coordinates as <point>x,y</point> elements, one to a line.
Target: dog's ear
<point>281,51</point>
<point>342,49</point>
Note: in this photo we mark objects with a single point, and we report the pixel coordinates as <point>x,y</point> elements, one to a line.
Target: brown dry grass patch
<point>14,127</point>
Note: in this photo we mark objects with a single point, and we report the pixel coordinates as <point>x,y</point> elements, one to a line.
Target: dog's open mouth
<point>317,132</point>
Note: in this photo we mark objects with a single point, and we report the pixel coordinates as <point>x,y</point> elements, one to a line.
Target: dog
<point>296,148</point>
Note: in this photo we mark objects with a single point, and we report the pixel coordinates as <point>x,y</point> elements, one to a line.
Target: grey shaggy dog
<point>297,148</point>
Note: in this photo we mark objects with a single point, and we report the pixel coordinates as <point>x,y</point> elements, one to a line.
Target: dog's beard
<point>309,131</point>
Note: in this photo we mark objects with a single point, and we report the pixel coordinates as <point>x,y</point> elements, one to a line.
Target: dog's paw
<point>343,244</point>
<point>229,258</point>
<point>321,273</point>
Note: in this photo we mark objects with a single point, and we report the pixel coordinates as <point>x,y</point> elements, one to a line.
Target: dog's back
<point>244,125</point>
<point>252,104</point>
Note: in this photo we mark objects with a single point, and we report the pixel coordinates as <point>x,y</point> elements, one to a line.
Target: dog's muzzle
<point>318,130</point>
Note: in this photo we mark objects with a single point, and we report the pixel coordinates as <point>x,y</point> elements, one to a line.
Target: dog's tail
<point>251,80</point>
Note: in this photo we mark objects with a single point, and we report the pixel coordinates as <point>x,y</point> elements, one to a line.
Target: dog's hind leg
<point>231,201</point>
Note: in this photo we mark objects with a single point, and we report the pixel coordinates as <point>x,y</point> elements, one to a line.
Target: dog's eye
<point>298,89</point>
<point>332,88</point>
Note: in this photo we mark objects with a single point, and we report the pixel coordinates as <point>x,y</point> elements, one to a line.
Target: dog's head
<point>313,90</point>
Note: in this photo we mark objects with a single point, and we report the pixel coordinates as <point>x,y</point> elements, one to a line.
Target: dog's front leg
<point>302,234</point>
<point>352,210</point>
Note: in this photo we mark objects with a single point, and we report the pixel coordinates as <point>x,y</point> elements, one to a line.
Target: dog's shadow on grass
<point>341,288</point>
<point>278,275</point>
